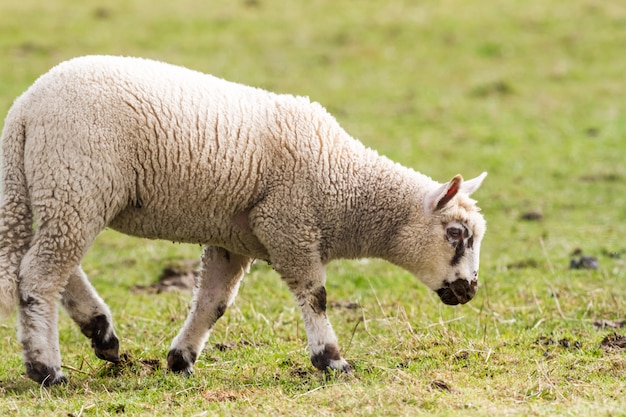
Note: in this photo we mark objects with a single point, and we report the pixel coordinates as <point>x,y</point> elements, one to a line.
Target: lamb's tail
<point>16,218</point>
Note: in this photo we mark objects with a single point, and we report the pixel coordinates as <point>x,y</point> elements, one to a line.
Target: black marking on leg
<point>27,349</point>
<point>322,359</point>
<point>27,302</point>
<point>176,361</point>
<point>106,348</point>
<point>44,374</point>
<point>96,327</point>
<point>220,310</point>
<point>318,302</point>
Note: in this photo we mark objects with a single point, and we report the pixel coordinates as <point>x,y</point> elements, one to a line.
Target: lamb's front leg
<point>216,289</point>
<point>310,292</point>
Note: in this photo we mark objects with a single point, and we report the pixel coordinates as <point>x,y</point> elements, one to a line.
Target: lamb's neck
<point>385,197</point>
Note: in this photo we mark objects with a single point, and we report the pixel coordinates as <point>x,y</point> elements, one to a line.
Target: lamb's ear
<point>439,197</point>
<point>472,185</point>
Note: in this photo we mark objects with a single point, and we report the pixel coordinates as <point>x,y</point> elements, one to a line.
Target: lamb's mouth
<point>457,292</point>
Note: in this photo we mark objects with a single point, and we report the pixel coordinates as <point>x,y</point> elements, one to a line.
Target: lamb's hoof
<point>107,350</point>
<point>341,365</point>
<point>44,374</point>
<point>181,362</point>
<point>330,359</point>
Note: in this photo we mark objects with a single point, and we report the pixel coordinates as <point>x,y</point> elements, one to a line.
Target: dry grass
<point>532,93</point>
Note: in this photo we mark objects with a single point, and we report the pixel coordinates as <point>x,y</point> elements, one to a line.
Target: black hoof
<point>107,350</point>
<point>330,359</point>
<point>45,375</point>
<point>176,361</point>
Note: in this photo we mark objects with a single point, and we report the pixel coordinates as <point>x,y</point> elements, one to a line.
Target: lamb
<point>163,152</point>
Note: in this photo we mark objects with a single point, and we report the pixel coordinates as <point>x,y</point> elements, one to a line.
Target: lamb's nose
<point>464,290</point>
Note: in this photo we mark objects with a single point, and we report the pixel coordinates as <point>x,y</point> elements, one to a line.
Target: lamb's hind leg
<point>216,289</point>
<point>89,311</point>
<point>43,274</point>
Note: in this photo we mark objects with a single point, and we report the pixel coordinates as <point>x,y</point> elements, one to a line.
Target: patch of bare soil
<point>299,372</point>
<point>584,262</point>
<point>552,346</point>
<point>231,345</point>
<point>223,395</point>
<point>441,385</point>
<point>348,305</point>
<point>532,216</point>
<point>609,324</point>
<point>614,342</point>
<point>524,264</point>
<point>130,365</point>
<point>565,342</point>
<point>180,276</point>
<point>580,261</point>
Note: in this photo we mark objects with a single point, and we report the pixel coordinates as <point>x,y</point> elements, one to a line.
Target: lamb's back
<point>188,148</point>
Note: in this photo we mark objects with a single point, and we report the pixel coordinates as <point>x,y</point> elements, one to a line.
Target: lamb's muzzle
<point>458,292</point>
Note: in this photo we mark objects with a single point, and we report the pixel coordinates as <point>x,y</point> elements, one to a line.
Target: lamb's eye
<point>454,233</point>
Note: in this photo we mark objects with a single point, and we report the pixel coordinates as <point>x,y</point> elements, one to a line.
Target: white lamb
<point>163,152</point>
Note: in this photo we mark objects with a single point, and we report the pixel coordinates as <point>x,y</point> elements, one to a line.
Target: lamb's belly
<point>176,227</point>
<point>151,225</point>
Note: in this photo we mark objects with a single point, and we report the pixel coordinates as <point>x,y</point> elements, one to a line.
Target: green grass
<point>532,92</point>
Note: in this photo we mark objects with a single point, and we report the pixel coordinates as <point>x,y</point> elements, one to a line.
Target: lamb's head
<point>445,238</point>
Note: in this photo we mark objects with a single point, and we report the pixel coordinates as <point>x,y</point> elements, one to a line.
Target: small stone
<point>532,216</point>
<point>584,262</point>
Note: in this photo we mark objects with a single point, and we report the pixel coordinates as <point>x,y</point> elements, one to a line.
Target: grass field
<point>533,92</point>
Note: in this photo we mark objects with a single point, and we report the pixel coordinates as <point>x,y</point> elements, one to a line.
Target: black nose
<point>457,292</point>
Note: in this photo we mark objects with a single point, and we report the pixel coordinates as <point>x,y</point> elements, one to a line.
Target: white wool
<point>160,151</point>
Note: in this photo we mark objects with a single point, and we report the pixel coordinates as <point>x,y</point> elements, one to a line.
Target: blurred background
<point>531,91</point>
